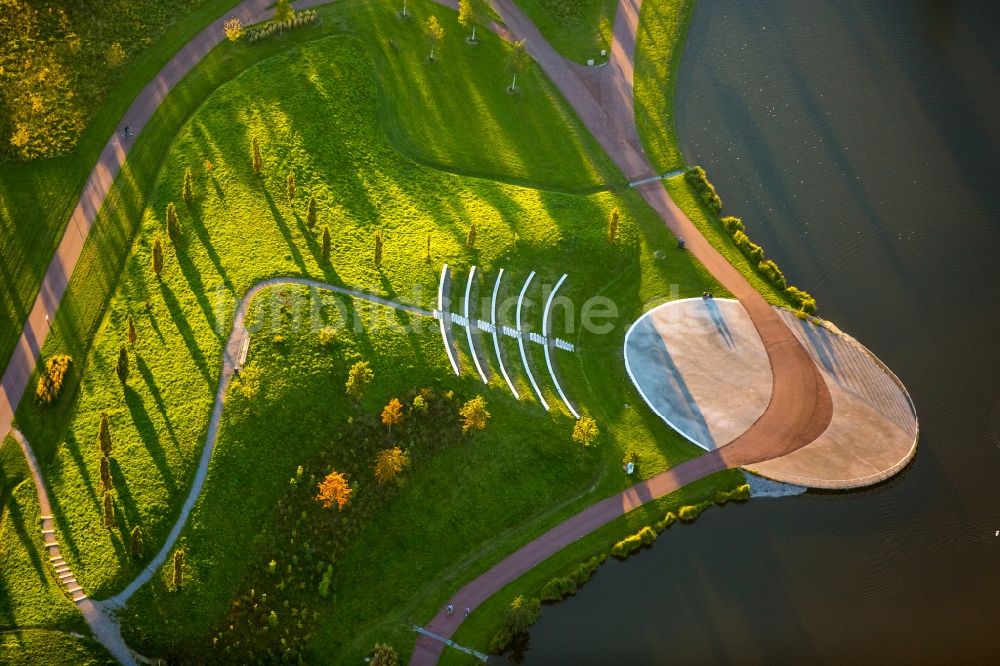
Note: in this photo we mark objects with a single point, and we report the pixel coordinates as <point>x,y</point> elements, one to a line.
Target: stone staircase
<point>66,578</point>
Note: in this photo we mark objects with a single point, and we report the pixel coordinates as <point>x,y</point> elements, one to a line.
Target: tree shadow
<point>286,233</point>
<point>147,430</point>
<point>130,509</point>
<point>197,288</point>
<point>16,516</point>
<point>154,391</point>
<point>198,224</point>
<point>184,328</point>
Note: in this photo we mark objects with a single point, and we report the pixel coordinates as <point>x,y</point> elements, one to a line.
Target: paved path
<point>800,408</point>
<point>102,177</point>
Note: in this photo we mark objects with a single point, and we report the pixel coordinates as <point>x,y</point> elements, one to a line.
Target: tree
<point>392,414</point>
<point>258,161</point>
<point>520,615</point>
<point>116,55</point>
<point>291,186</point>
<point>122,367</point>
<point>359,376</point>
<point>472,13</point>
<point>434,34</point>
<point>188,187</point>
<point>389,463</point>
<point>311,213</point>
<point>136,541</point>
<point>109,511</point>
<point>613,227</point>
<point>106,481</point>
<point>173,224</point>
<point>585,431</point>
<point>471,239</point>
<point>234,29</point>
<point>428,247</point>
<point>334,489</point>
<point>378,248</point>
<point>283,11</point>
<point>157,257</point>
<point>104,436</point>
<point>474,414</point>
<point>131,331</point>
<point>326,244</point>
<point>384,655</point>
<point>517,62</point>
<point>178,568</point>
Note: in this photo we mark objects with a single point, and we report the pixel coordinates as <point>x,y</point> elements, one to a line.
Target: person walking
<point>450,610</point>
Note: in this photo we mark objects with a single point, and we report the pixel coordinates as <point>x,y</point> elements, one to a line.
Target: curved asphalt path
<point>800,408</point>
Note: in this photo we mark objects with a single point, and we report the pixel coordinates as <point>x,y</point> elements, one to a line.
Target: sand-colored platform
<point>700,365</point>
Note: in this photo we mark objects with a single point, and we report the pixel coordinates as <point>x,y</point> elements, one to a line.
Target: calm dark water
<point>861,143</point>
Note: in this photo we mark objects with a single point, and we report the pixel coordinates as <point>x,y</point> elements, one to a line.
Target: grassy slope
<point>37,197</point>
<point>554,230</point>
<point>24,647</point>
<point>579,31</point>
<point>659,46</point>
<point>29,593</point>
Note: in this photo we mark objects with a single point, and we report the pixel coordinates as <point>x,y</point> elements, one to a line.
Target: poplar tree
<point>311,213</point>
<point>378,248</point>
<point>173,223</point>
<point>326,244</point>
<point>131,331</point>
<point>104,435</point>
<point>109,511</point>
<point>258,161</point>
<point>106,480</point>
<point>188,189</point>
<point>291,186</point>
<point>613,227</point>
<point>157,257</point>
<point>471,240</point>
<point>178,568</point>
<point>136,541</point>
<point>122,368</point>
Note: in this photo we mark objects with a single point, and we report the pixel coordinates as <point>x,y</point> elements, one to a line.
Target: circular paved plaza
<point>700,366</point>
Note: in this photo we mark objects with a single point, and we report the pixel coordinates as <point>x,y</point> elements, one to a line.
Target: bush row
<point>50,383</point>
<point>698,180</point>
<point>522,614</point>
<point>740,493</point>
<point>561,587</point>
<point>644,537</point>
<point>734,226</point>
<point>259,31</point>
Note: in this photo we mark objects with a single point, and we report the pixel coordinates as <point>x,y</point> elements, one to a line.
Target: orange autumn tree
<point>334,490</point>
<point>392,414</point>
<point>389,463</point>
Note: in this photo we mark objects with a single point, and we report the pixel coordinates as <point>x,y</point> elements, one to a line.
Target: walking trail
<point>800,408</point>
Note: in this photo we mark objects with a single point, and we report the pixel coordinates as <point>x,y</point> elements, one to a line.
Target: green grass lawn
<point>659,46</point>
<point>38,196</point>
<point>578,29</point>
<point>25,647</point>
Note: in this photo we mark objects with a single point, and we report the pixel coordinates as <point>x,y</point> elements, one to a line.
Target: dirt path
<point>800,408</point>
